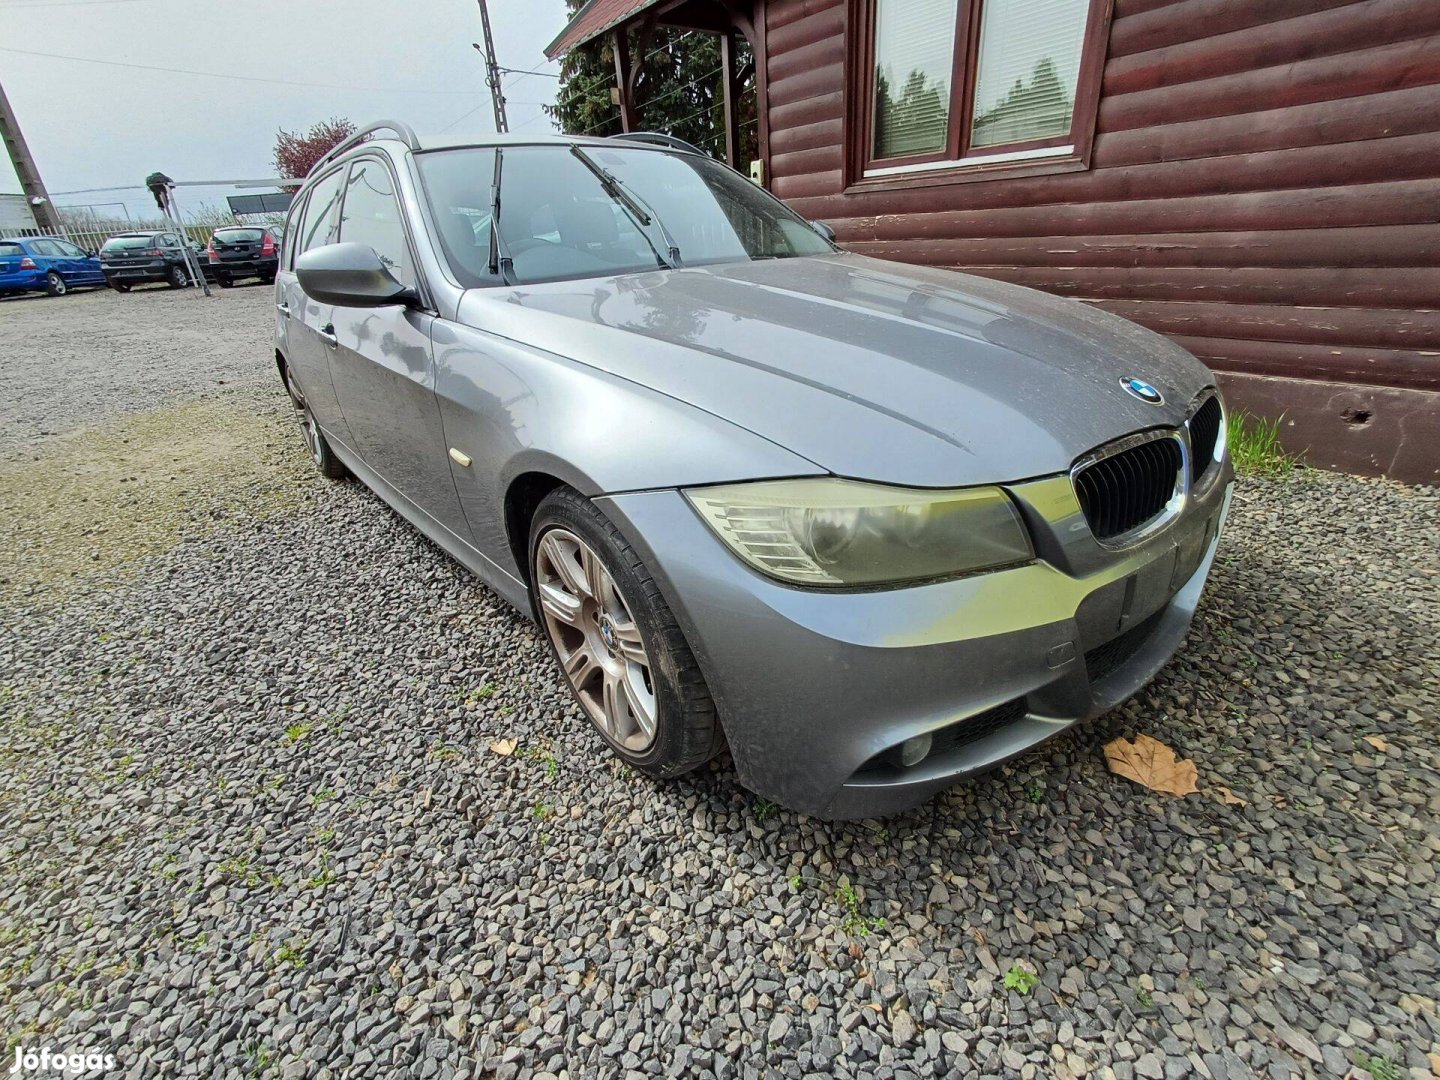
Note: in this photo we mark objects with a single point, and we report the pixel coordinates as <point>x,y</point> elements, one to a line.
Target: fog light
<point>913,751</point>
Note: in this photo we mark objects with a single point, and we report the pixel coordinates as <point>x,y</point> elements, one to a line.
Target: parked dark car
<point>34,263</point>
<point>244,251</point>
<point>137,258</point>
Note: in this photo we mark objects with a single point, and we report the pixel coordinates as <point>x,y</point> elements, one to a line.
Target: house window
<point>960,82</point>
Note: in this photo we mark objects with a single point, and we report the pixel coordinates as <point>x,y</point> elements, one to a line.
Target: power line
<point>465,116</point>
<point>238,78</point>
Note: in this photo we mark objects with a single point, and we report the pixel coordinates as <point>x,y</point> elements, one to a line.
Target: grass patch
<point>92,503</point>
<point>1254,445</point>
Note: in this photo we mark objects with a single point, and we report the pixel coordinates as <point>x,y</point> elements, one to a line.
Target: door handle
<point>284,309</point>
<point>327,335</point>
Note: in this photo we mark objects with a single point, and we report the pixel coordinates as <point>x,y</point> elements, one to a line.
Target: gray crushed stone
<point>252,823</point>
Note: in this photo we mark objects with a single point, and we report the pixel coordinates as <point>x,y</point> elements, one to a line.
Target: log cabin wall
<point>1263,187</point>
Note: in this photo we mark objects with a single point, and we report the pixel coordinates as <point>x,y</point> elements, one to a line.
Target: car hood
<point>870,369</point>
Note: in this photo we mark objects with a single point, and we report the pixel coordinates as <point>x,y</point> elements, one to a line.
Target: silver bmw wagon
<point>875,527</point>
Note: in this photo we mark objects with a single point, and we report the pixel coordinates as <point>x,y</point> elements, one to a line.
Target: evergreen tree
<point>678,91</point>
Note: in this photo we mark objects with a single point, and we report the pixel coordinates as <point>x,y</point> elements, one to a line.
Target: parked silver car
<point>877,527</point>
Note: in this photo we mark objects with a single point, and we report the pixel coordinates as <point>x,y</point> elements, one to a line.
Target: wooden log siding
<point>1264,185</point>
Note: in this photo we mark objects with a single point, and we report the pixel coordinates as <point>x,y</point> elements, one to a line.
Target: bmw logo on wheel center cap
<point>1143,390</point>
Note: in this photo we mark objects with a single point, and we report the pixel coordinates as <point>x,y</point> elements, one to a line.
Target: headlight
<point>829,532</point>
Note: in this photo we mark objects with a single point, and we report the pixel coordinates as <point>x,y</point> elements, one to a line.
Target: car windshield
<point>561,218</point>
<point>117,243</point>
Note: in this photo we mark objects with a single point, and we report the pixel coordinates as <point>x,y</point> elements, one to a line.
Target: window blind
<point>1028,67</point>
<point>914,56</point>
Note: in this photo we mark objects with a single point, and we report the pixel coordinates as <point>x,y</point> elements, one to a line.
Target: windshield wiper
<point>632,205</point>
<point>500,265</point>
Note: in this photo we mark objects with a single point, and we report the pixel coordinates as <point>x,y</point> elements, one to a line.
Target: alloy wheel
<point>56,284</point>
<point>308,427</point>
<point>596,638</point>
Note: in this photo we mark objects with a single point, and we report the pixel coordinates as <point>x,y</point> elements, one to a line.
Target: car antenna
<point>500,264</point>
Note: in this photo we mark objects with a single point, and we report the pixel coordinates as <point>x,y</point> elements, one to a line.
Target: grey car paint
<point>870,369</point>
<point>632,387</point>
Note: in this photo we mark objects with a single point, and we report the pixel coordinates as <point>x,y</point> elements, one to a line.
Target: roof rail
<point>660,140</point>
<point>406,133</point>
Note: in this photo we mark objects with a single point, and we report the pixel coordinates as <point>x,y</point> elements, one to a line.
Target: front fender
<point>513,409</point>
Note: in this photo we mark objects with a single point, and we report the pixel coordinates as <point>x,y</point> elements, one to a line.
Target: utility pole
<point>492,71</point>
<point>30,183</point>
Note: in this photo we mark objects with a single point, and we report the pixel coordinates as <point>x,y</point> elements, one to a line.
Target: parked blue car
<point>30,263</point>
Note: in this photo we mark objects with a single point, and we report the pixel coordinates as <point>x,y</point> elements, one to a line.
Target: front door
<point>382,363</point>
<point>302,319</point>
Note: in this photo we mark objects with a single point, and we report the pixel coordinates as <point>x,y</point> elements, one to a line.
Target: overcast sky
<point>93,125</point>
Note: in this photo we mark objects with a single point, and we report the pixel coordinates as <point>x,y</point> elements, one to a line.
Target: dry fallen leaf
<point>855,950</point>
<point>1228,797</point>
<point>504,747</point>
<point>1151,763</point>
<point>1378,741</point>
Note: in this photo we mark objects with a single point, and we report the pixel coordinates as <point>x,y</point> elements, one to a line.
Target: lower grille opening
<point>1121,492</point>
<point>1204,434</point>
<point>962,733</point>
<point>1104,660</point>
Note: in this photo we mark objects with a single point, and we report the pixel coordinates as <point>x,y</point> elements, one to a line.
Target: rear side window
<point>11,251</point>
<point>372,217</point>
<point>47,248</point>
<point>322,214</point>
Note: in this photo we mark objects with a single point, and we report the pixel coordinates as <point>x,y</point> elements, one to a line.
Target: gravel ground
<point>253,821</point>
<point>96,352</point>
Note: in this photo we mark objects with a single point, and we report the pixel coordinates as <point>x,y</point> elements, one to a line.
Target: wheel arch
<point>523,497</point>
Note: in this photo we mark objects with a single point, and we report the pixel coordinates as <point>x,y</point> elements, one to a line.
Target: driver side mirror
<point>350,275</point>
<point>824,230</point>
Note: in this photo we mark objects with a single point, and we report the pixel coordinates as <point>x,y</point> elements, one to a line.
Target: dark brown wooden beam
<point>624,80</point>
<point>731,88</point>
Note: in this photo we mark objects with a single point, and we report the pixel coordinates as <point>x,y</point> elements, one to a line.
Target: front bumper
<point>818,689</point>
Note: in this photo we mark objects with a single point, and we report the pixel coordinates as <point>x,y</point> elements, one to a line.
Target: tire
<point>267,279</point>
<point>224,281</point>
<point>120,286</point>
<point>176,277</point>
<point>325,460</point>
<point>55,284</point>
<point>685,731</point>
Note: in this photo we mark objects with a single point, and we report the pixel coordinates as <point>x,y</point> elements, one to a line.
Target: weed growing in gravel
<point>483,692</point>
<point>322,879</point>
<point>1021,979</point>
<point>324,835</point>
<point>325,794</point>
<point>296,732</point>
<point>241,870</point>
<point>1378,1067</point>
<point>543,752</point>
<point>544,811</point>
<point>764,809</point>
<point>446,753</point>
<point>1255,446</point>
<point>1035,792</point>
<point>1144,999</point>
<point>854,922</point>
<point>294,955</point>
<point>258,1058</point>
